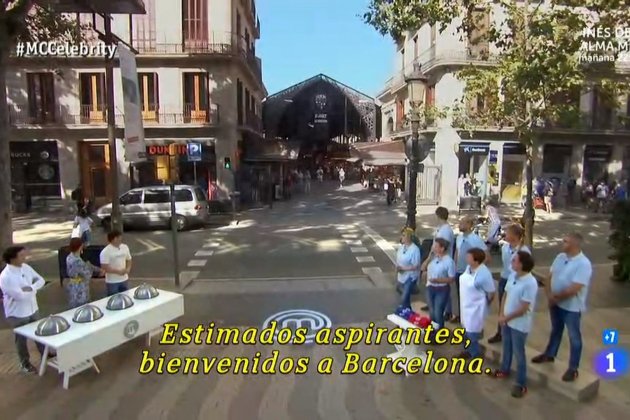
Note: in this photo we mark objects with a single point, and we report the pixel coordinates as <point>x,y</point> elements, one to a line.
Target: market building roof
<point>320,108</point>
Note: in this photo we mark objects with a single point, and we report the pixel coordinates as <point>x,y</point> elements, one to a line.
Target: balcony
<point>96,116</point>
<point>432,59</point>
<point>252,122</point>
<point>224,44</point>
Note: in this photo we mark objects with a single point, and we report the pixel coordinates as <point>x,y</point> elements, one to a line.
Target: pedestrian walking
<point>83,225</point>
<point>465,241</point>
<point>516,320</point>
<point>476,290</point>
<point>567,289</point>
<point>513,244</point>
<point>320,175</point>
<point>440,275</point>
<point>116,263</point>
<point>342,177</point>
<point>80,274</point>
<point>307,181</point>
<point>20,283</point>
<point>408,259</point>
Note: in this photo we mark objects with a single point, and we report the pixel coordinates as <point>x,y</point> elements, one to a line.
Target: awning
<point>389,153</point>
<point>271,151</point>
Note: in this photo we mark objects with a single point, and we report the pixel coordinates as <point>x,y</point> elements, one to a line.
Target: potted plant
<point>620,240</point>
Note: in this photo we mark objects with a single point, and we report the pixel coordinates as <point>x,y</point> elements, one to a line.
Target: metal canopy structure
<point>318,109</point>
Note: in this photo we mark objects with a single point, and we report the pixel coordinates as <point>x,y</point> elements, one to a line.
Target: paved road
<point>309,253</point>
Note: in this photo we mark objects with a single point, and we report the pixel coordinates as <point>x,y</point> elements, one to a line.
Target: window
<point>247,102</point>
<point>143,29</point>
<point>183,196</point>
<point>239,101</point>
<point>195,23</point>
<point>556,159</point>
<point>400,114</point>
<point>41,97</point>
<point>238,24</point>
<point>149,95</point>
<point>402,59</point>
<point>93,98</point>
<point>415,47</point>
<point>132,197</point>
<point>478,43</point>
<point>430,96</point>
<point>196,97</point>
<point>157,196</point>
<point>200,195</point>
<point>602,109</point>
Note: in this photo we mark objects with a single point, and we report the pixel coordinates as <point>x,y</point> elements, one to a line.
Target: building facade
<point>199,80</point>
<point>597,146</point>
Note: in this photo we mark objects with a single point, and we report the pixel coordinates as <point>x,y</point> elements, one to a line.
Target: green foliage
<point>26,22</point>
<point>619,240</point>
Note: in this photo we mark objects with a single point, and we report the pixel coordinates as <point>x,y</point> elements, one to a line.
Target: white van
<point>151,206</point>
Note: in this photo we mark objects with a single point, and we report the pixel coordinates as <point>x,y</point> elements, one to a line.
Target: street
<point>317,253</point>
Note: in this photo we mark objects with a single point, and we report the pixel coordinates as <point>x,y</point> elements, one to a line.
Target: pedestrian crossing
<point>120,392</point>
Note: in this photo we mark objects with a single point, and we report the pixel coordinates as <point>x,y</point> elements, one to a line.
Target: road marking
<point>186,277</point>
<point>365,259</point>
<point>197,263</point>
<point>300,318</point>
<point>350,235</point>
<point>385,245</point>
<point>204,253</point>
<point>346,227</point>
<point>353,242</point>
<point>212,245</point>
<point>367,270</point>
<point>358,250</point>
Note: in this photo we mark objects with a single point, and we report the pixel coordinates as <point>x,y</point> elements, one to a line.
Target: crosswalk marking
<point>353,242</point>
<point>197,263</point>
<point>365,259</point>
<point>350,236</point>
<point>204,253</point>
<point>358,250</point>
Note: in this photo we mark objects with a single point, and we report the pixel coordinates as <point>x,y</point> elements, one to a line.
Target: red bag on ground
<point>414,318</point>
<point>424,322</point>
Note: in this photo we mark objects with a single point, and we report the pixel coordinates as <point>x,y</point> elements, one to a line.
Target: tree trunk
<point>6,229</point>
<point>528,214</point>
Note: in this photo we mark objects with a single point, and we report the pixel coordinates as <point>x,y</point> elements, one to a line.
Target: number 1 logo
<point>611,363</point>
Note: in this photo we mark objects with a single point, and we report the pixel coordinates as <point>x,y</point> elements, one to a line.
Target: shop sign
<point>494,156</point>
<point>194,152</point>
<point>321,118</point>
<point>171,149</point>
<point>473,149</point>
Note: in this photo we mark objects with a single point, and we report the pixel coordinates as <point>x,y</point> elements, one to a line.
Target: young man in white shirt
<point>116,262</point>
<point>19,284</point>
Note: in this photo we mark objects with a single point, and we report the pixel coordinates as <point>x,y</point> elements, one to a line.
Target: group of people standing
<point>460,288</point>
<point>20,283</point>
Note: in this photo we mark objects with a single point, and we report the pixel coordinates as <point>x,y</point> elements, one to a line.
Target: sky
<point>303,38</point>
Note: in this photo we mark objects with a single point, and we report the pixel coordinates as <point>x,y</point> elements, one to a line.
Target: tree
<point>22,21</point>
<point>540,58</point>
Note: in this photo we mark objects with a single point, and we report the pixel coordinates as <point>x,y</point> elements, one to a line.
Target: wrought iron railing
<point>96,115</point>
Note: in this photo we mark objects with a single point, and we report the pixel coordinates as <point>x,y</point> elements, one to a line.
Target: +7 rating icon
<point>610,337</point>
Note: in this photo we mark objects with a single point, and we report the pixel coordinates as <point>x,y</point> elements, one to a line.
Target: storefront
<point>596,162</point>
<point>556,161</point>
<point>168,161</point>
<point>473,175</point>
<point>35,168</point>
<point>512,171</point>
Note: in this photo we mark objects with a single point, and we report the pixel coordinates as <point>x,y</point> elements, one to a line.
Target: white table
<point>408,351</point>
<point>77,347</point>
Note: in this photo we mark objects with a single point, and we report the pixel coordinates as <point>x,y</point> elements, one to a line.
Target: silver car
<point>151,206</point>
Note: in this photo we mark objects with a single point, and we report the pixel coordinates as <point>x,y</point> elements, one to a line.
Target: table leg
<point>44,362</point>
<point>95,366</point>
<point>66,380</point>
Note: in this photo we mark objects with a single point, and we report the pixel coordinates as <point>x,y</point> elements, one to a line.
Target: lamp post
<point>416,146</point>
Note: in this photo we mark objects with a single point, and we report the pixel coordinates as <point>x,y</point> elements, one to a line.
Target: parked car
<point>151,206</point>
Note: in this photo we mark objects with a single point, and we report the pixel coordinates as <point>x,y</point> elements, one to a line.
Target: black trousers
<point>20,340</point>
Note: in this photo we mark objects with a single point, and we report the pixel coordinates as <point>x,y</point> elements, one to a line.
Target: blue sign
<point>494,156</point>
<point>611,363</point>
<point>610,337</point>
<point>194,152</point>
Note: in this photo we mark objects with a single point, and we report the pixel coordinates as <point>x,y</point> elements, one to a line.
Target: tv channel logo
<point>610,337</point>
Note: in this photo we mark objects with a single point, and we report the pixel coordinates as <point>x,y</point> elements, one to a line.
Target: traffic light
<point>227,163</point>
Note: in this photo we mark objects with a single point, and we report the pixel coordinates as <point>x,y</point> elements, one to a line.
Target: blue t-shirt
<point>507,255</point>
<point>517,291</point>
<point>408,256</point>
<point>440,268</point>
<point>483,279</point>
<point>466,242</point>
<point>564,272</point>
<point>445,231</point>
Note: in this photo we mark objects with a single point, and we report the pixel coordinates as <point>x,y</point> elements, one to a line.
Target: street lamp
<point>416,146</point>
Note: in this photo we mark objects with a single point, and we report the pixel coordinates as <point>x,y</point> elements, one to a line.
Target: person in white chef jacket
<point>476,289</point>
<point>19,284</point>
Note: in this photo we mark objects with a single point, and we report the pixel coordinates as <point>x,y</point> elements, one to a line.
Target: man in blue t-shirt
<point>567,290</point>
